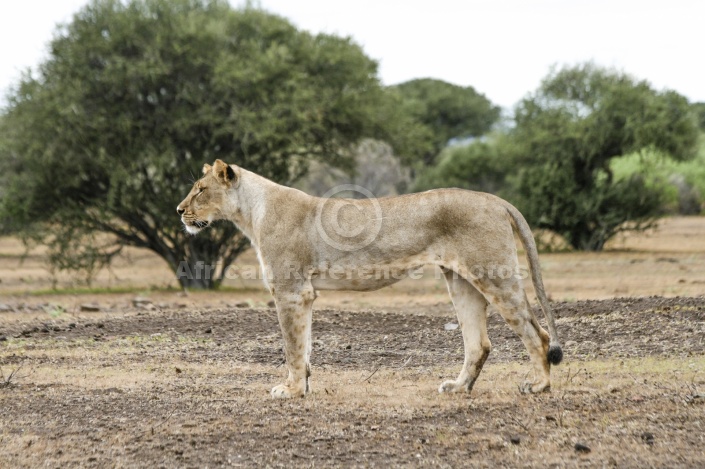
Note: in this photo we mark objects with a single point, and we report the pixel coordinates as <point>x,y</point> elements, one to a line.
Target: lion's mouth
<point>201,224</point>
<point>194,227</point>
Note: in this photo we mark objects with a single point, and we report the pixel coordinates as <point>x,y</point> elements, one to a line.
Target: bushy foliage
<point>135,96</point>
<point>447,112</point>
<point>559,163</point>
<point>682,183</point>
<point>568,132</point>
<point>699,110</point>
<point>480,165</point>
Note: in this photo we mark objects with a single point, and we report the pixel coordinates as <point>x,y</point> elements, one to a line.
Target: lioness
<point>305,244</point>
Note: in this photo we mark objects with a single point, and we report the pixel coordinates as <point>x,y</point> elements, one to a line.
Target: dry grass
<point>631,413</point>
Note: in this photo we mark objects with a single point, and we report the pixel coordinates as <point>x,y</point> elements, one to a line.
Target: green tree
<point>447,112</point>
<point>135,96</point>
<point>699,110</point>
<point>481,166</point>
<point>567,133</point>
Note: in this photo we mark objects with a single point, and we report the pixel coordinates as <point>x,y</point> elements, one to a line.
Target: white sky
<point>501,47</point>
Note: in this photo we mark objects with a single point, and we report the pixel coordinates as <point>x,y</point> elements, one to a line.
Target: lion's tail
<point>555,353</point>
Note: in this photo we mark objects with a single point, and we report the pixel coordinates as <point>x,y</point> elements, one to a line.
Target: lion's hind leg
<point>508,297</point>
<point>471,308</point>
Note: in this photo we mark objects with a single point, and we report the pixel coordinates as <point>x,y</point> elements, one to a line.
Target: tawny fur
<point>305,244</point>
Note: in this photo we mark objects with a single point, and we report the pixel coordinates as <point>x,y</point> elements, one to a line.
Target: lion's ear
<point>206,168</point>
<point>224,172</point>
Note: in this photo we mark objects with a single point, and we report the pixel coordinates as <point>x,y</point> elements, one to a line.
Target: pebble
<point>581,448</point>
<point>141,301</point>
<point>647,438</point>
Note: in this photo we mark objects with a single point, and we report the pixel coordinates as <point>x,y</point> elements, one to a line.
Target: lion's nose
<point>180,210</point>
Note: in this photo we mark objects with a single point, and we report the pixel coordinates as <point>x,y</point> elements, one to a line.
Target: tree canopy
<point>135,96</point>
<point>447,111</point>
<point>566,135</point>
<point>699,109</point>
<point>556,162</point>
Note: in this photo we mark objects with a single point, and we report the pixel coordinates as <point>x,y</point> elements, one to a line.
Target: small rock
<point>178,370</point>
<point>140,301</point>
<point>581,448</point>
<point>72,325</point>
<point>242,304</point>
<point>271,304</point>
<point>90,308</point>
<point>515,440</point>
<point>3,338</point>
<point>209,330</point>
<point>5,308</point>
<point>451,326</point>
<point>570,343</point>
<point>647,438</point>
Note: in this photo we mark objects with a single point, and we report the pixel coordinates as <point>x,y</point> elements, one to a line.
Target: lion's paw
<point>534,388</point>
<point>452,386</point>
<point>284,391</point>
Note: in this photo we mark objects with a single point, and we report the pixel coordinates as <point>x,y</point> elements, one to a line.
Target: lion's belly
<point>367,279</point>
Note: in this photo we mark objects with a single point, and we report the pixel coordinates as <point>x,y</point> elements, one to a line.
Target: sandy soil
<point>189,388</point>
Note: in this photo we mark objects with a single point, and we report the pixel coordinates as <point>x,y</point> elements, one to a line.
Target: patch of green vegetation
<point>682,183</point>
<point>54,310</point>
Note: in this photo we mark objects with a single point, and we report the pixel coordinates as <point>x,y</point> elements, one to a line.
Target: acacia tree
<point>568,132</point>
<point>447,111</point>
<point>104,140</point>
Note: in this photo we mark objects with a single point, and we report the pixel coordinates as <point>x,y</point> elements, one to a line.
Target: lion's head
<point>205,203</point>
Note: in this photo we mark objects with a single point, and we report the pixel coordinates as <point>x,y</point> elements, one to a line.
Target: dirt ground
<point>184,388</point>
<point>132,372</point>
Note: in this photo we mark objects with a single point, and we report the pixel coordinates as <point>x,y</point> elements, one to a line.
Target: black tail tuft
<point>555,354</point>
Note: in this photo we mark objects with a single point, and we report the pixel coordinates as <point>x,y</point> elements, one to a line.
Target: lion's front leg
<point>295,315</point>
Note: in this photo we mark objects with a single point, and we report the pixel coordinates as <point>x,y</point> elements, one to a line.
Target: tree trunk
<point>197,275</point>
